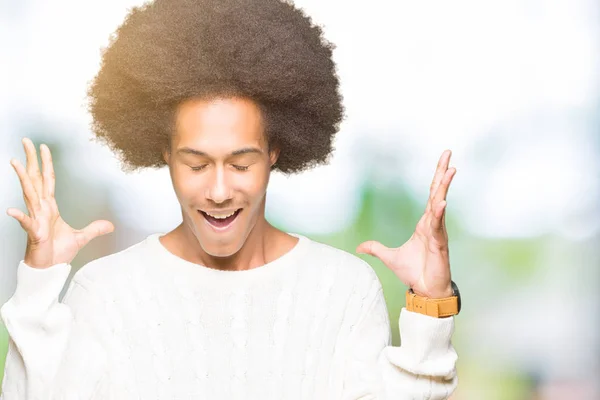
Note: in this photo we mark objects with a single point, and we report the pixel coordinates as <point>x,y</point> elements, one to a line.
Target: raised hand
<point>50,240</point>
<point>423,262</point>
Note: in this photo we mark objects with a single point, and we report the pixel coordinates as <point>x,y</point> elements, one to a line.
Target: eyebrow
<point>244,150</point>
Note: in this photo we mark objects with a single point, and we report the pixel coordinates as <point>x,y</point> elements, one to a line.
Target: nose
<point>219,190</point>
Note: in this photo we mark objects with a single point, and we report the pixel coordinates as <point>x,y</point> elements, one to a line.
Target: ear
<point>167,155</point>
<point>273,156</point>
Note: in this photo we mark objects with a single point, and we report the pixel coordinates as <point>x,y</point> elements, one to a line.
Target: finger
<point>444,222</point>
<point>48,172</point>
<point>33,168</point>
<point>442,191</point>
<point>25,222</point>
<point>441,169</point>
<point>92,231</point>
<point>30,196</point>
<point>437,223</point>
<point>375,249</point>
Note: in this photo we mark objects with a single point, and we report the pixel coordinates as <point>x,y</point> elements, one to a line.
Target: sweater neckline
<point>271,267</point>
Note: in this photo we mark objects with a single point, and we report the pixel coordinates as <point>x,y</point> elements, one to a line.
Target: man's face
<point>219,165</point>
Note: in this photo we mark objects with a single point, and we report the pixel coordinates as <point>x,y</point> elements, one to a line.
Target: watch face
<point>456,293</point>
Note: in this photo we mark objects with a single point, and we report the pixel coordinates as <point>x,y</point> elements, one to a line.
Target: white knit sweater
<point>145,324</point>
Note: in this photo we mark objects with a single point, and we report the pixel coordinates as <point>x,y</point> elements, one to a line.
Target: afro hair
<point>168,51</point>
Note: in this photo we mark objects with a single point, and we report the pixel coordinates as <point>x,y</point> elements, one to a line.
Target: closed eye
<point>238,167</point>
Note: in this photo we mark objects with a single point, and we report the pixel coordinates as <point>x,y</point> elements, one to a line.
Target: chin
<point>220,247</point>
<point>221,251</point>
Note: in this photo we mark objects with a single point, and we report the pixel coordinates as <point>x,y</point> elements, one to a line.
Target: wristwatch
<point>438,308</point>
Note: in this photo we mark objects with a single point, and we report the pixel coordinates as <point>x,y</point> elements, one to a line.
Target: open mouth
<point>220,223</point>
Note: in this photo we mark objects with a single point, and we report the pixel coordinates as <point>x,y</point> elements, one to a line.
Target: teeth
<point>221,216</point>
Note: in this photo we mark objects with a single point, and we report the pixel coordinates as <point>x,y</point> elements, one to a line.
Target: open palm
<point>50,240</point>
<point>423,262</point>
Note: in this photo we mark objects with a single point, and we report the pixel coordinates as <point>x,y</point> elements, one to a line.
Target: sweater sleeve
<point>55,349</point>
<point>423,367</point>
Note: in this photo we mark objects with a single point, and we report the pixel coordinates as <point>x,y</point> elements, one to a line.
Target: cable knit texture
<point>145,324</point>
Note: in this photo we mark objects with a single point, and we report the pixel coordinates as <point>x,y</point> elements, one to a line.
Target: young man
<point>224,306</point>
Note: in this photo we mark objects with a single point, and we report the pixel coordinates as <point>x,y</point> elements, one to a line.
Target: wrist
<point>438,307</point>
<point>437,294</point>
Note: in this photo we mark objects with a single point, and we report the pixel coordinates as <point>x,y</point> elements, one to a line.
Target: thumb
<point>372,247</point>
<point>93,230</point>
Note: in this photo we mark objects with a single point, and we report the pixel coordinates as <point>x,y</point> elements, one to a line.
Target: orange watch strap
<point>438,308</point>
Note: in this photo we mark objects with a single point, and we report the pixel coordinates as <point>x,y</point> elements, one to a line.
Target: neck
<point>254,252</point>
